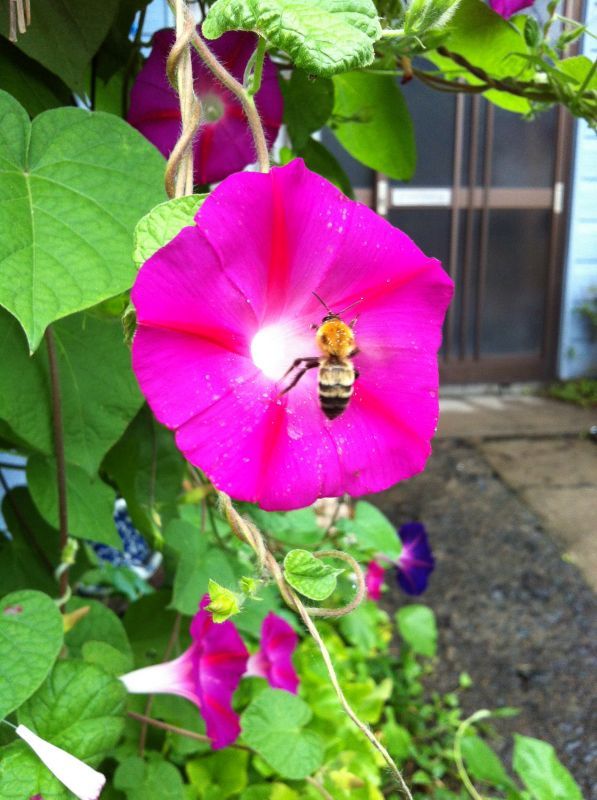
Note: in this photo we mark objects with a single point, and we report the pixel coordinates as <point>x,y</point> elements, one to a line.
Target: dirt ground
<point>512,612</point>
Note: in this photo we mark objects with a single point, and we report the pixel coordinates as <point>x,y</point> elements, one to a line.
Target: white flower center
<point>269,351</point>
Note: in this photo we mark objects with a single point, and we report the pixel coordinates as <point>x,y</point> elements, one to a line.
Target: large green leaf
<point>148,469</point>
<point>417,626</point>
<point>30,640</point>
<point>80,709</point>
<point>64,35</point>
<point>28,82</point>
<point>308,103</point>
<point>373,530</point>
<point>273,725</point>
<point>140,780</point>
<point>162,223</point>
<point>90,503</point>
<point>372,122</point>
<point>198,561</point>
<point>68,211</point>
<point>298,527</point>
<point>100,624</point>
<point>223,774</point>
<point>322,38</point>
<point>489,42</point>
<point>310,576</point>
<point>537,764</point>
<point>99,394</point>
<point>483,764</point>
<point>30,557</point>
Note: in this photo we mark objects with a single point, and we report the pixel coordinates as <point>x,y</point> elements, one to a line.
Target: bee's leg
<point>354,352</point>
<point>354,322</point>
<point>297,361</point>
<point>356,374</point>
<point>310,363</point>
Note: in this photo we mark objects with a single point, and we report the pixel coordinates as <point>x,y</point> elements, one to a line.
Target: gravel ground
<point>513,614</point>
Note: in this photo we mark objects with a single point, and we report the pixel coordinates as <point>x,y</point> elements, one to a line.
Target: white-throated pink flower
<point>226,307</point>
<point>207,674</point>
<point>224,143</point>
<point>273,660</point>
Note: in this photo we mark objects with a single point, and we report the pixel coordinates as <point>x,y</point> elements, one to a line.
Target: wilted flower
<point>413,566</point>
<point>207,674</point>
<point>273,660</point>
<point>506,8</point>
<point>374,580</point>
<point>226,307</point>
<point>224,143</point>
<point>83,781</point>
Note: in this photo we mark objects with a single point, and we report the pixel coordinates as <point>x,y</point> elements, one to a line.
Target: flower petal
<point>278,643</point>
<point>416,562</point>
<point>374,580</point>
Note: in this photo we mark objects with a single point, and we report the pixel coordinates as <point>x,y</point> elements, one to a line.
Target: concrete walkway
<point>541,449</point>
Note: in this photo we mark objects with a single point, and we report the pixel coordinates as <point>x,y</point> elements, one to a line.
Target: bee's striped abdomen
<point>336,385</point>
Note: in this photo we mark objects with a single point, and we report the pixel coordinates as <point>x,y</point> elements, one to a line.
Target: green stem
<point>258,68</point>
<point>463,774</point>
<point>587,79</point>
<point>389,33</point>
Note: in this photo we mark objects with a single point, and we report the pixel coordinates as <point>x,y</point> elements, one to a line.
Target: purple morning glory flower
<point>416,560</point>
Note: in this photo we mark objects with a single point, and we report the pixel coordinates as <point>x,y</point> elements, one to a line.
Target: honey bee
<point>337,373</point>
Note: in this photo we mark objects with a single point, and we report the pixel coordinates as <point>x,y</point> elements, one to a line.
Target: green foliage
<point>63,36</point>
<point>418,628</point>
<point>309,575</point>
<point>53,183</point>
<point>373,531</point>
<point>319,159</point>
<point>147,468</point>
<point>274,726</point>
<point>197,562</point>
<point>140,780</point>
<point>582,392</point>
<point>99,394</point>
<point>308,104</point>
<point>291,527</point>
<point>483,764</point>
<point>220,775</point>
<point>163,223</point>
<point>30,640</point>
<point>90,502</point>
<point>372,122</point>
<point>98,625</point>
<point>27,81</point>
<point>544,776</point>
<point>323,39</point>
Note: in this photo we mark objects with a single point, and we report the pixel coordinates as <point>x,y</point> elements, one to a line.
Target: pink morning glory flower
<point>81,779</point>
<point>506,8</point>
<point>207,674</point>
<point>273,660</point>
<point>374,580</point>
<point>226,307</point>
<point>224,144</point>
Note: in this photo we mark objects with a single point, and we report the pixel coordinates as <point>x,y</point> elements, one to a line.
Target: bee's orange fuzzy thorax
<point>335,338</point>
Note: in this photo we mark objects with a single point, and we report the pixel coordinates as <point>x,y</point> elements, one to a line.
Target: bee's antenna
<point>325,305</point>
<point>356,302</point>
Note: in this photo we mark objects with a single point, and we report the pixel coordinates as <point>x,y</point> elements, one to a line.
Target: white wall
<point>577,353</point>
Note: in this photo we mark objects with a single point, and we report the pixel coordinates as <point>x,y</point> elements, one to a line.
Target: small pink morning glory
<point>207,674</point>
<point>374,580</point>
<point>273,660</point>
<point>224,144</point>
<point>506,8</point>
<point>228,305</point>
<point>413,567</point>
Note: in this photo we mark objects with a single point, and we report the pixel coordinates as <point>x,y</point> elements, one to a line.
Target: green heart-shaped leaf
<point>162,224</point>
<point>73,185</point>
<point>309,575</point>
<point>30,639</point>
<point>273,725</point>
<point>322,38</point>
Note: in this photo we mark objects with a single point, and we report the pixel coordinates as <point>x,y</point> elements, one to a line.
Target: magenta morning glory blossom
<point>413,567</point>
<point>224,143</point>
<point>506,8</point>
<point>226,306</point>
<point>273,660</point>
<point>207,674</point>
